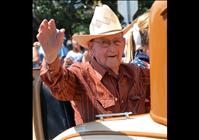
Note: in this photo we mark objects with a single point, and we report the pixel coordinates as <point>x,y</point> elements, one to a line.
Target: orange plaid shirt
<point>93,90</point>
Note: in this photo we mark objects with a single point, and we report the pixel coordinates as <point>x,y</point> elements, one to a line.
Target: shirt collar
<point>125,70</point>
<point>102,71</point>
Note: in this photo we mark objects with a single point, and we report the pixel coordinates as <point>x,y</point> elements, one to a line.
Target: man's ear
<point>90,45</point>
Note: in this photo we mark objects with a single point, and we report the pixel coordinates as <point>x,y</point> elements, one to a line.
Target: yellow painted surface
<point>158,61</point>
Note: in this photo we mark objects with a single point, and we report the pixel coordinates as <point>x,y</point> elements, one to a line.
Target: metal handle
<point>101,116</point>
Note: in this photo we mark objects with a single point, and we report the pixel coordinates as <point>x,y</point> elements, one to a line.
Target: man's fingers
<point>62,31</point>
<point>43,25</point>
<point>50,38</point>
<point>52,26</point>
<point>39,36</point>
<point>60,37</point>
<point>45,22</point>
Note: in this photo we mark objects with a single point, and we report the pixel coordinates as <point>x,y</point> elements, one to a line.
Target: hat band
<point>110,31</point>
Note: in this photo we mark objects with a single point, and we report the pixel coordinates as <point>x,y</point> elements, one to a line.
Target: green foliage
<point>143,6</point>
<point>73,15</point>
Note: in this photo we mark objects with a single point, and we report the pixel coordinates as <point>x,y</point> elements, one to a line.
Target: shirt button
<point>122,101</point>
<point>115,99</point>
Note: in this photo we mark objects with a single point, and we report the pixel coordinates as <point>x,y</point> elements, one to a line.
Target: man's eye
<point>104,41</point>
<point>116,42</point>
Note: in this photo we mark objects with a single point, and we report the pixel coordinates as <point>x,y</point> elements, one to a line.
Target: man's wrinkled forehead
<point>115,36</point>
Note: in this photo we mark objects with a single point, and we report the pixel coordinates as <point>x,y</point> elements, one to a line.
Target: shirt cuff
<point>54,66</point>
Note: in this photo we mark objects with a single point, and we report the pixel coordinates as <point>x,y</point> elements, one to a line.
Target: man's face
<point>108,50</point>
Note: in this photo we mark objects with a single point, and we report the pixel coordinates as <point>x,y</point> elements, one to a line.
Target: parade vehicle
<point>54,119</point>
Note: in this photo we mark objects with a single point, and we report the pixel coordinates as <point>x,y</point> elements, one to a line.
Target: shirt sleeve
<point>61,81</point>
<point>145,74</point>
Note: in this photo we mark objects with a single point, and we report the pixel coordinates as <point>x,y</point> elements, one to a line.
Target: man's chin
<point>113,61</point>
<point>113,64</point>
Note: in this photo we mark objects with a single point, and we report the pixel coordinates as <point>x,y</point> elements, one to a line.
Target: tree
<point>143,6</point>
<point>73,15</point>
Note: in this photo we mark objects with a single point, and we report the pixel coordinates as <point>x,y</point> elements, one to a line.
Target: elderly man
<point>102,85</point>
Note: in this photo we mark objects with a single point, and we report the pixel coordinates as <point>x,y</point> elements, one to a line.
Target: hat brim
<point>84,39</point>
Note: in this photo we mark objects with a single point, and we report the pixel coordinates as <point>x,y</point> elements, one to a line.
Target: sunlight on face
<point>108,50</point>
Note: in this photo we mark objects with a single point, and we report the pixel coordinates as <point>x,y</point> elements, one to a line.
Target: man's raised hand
<point>51,39</point>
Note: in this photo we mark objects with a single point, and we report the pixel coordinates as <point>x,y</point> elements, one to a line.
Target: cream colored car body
<point>134,127</point>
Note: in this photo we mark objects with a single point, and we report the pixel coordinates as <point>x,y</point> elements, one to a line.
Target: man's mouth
<point>112,56</point>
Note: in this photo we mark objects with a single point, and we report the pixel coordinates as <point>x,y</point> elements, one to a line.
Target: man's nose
<point>112,47</point>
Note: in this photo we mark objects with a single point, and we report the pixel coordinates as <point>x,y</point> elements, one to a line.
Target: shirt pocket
<point>137,104</point>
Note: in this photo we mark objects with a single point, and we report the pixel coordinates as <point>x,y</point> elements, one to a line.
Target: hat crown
<point>104,20</point>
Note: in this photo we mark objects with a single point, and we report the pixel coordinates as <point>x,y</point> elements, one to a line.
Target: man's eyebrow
<point>100,39</point>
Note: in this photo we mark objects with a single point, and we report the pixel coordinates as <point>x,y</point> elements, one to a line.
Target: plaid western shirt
<point>93,90</point>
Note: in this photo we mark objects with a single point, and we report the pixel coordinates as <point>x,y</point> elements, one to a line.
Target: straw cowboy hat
<point>103,23</point>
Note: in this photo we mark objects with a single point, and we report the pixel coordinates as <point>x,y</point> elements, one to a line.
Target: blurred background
<point>75,15</point>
